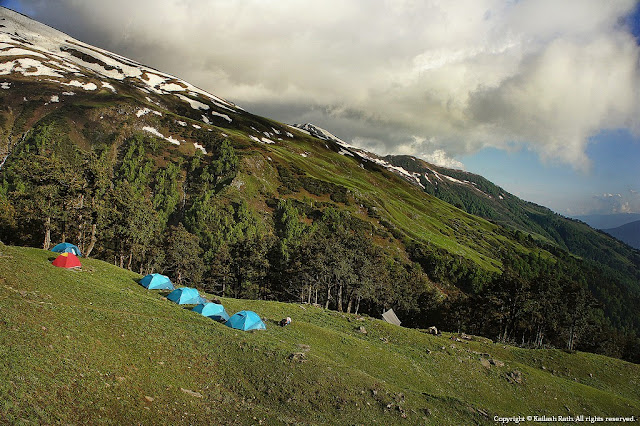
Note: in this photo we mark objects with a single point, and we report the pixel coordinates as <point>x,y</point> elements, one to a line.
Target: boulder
<point>496,362</point>
<point>515,377</point>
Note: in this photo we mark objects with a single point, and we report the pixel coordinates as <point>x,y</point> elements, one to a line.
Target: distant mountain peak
<point>321,133</point>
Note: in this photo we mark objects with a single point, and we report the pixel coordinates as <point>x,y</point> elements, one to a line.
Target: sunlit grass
<point>95,346</point>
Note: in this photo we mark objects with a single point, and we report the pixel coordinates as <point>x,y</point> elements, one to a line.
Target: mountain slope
<point>124,354</point>
<point>153,174</point>
<point>476,195</point>
<point>628,233</point>
<point>480,197</point>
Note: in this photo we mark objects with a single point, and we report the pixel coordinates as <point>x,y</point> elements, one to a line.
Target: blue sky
<point>456,83</point>
<point>612,180</point>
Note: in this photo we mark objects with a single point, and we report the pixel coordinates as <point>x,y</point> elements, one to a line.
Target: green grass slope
<point>92,346</point>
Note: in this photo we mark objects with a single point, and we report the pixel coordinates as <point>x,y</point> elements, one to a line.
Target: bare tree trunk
<point>47,234</point>
<point>92,241</point>
<point>130,259</point>
<point>349,305</point>
<point>122,260</point>
<point>571,337</point>
<point>326,305</point>
<point>357,305</point>
<point>340,297</point>
<point>79,239</point>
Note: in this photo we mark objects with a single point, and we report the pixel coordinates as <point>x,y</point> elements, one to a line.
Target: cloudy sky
<point>540,96</point>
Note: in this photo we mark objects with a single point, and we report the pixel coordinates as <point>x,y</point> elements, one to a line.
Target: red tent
<point>67,260</point>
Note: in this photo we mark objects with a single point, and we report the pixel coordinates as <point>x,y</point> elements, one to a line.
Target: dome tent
<point>246,320</point>
<point>66,248</point>
<point>186,296</point>
<point>67,260</point>
<point>214,311</point>
<point>157,282</point>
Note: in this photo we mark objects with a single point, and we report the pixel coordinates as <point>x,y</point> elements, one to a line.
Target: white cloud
<point>607,203</point>
<point>458,76</point>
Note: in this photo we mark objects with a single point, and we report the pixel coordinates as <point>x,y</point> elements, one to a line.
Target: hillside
<point>478,196</point>
<point>146,171</point>
<point>628,233</point>
<point>123,354</point>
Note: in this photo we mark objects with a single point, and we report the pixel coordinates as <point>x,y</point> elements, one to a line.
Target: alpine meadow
<point>147,173</point>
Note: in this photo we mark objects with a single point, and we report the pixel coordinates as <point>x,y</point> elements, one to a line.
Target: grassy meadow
<point>92,346</point>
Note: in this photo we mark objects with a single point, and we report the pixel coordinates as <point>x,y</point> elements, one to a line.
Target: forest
<point>129,204</point>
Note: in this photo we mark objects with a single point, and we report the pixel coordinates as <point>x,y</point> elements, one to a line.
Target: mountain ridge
<point>629,233</point>
<point>607,221</point>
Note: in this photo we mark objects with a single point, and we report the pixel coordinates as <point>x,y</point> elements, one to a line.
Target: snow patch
<point>200,147</point>
<point>85,86</point>
<point>171,87</point>
<point>69,93</point>
<point>5,85</point>
<point>195,126</point>
<point>16,51</point>
<point>453,179</point>
<point>345,152</point>
<point>109,86</point>
<point>226,117</point>
<point>28,67</point>
<point>54,98</point>
<point>181,123</point>
<point>205,119</point>
<point>194,104</point>
<point>143,111</point>
<point>155,132</point>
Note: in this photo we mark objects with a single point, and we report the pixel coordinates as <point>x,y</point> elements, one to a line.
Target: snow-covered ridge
<point>320,133</point>
<point>411,177</point>
<point>350,150</point>
<point>33,49</point>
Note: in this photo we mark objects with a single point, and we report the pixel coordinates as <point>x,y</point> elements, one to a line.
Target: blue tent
<point>212,310</point>
<point>186,296</point>
<point>67,248</point>
<point>245,320</point>
<point>156,282</point>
